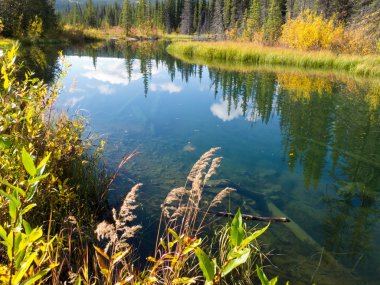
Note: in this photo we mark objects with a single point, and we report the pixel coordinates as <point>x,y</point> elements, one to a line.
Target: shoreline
<point>238,54</point>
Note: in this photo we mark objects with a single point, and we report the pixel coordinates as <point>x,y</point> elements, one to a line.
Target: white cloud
<point>220,110</point>
<point>74,86</point>
<point>113,71</point>
<point>105,90</point>
<point>166,87</point>
<point>73,101</point>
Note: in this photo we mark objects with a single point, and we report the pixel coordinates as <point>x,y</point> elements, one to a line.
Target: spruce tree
<point>217,19</point>
<point>126,16</point>
<point>254,24</point>
<point>187,18</point>
<point>89,14</point>
<point>227,12</point>
<point>272,27</point>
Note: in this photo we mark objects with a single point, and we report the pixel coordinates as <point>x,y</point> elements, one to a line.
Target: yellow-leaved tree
<point>311,31</point>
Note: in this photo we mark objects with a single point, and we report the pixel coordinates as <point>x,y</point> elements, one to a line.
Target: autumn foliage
<point>310,31</point>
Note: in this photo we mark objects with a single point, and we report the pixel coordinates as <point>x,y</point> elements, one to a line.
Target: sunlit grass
<point>6,43</point>
<point>86,34</point>
<point>248,53</point>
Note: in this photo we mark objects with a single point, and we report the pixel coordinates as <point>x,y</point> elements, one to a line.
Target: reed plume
<point>180,213</point>
<point>220,196</point>
<point>119,232</point>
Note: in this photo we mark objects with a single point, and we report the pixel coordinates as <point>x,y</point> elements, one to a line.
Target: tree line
<point>247,19</point>
<point>219,17</point>
<point>23,17</point>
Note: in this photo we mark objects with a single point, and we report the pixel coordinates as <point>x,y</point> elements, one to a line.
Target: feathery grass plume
<point>118,233</point>
<point>220,196</point>
<point>174,196</point>
<point>202,163</point>
<point>212,170</point>
<point>180,221</point>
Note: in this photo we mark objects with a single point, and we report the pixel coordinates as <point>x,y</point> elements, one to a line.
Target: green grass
<point>241,54</point>
<point>182,37</point>
<point>6,43</point>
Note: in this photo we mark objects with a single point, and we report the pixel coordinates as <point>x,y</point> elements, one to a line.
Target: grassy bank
<point>249,54</point>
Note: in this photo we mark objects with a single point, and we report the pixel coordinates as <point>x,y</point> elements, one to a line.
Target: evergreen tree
<point>227,12</point>
<point>254,17</point>
<point>201,16</point>
<point>141,8</point>
<point>89,14</point>
<point>272,27</point>
<point>187,17</point>
<point>217,19</point>
<point>126,16</point>
<point>17,15</point>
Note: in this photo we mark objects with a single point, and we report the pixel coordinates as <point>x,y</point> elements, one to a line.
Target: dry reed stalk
<point>125,159</point>
<point>220,196</point>
<point>119,232</point>
<point>184,202</point>
<point>180,211</point>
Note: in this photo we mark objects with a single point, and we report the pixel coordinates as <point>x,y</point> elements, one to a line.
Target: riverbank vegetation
<point>242,54</point>
<point>349,27</point>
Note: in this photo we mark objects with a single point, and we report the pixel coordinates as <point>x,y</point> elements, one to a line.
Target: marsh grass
<point>251,54</point>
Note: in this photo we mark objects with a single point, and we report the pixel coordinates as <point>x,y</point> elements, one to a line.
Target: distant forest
<point>218,16</point>
<point>225,19</point>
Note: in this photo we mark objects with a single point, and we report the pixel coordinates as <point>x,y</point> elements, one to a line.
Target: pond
<point>301,144</point>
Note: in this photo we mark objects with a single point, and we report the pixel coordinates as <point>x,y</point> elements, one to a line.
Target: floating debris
<point>189,147</point>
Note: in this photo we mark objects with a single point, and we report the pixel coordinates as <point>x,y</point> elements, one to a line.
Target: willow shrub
<point>28,121</point>
<point>310,31</point>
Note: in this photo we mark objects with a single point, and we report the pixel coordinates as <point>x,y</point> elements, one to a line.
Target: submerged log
<point>250,217</point>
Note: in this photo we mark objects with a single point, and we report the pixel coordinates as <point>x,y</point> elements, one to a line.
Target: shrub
<point>310,31</point>
<point>357,41</point>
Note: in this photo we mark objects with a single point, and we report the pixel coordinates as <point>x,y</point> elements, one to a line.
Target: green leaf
<point>5,143</point>
<point>255,235</point>
<point>241,258</point>
<point>28,163</point>
<point>192,246</point>
<point>37,179</point>
<point>19,190</point>
<point>175,235</point>
<point>263,278</point>
<point>205,264</point>
<point>273,281</point>
<point>12,211</point>
<point>31,193</point>
<point>27,227</point>
<point>3,233</point>
<point>11,198</point>
<point>24,268</point>
<point>28,208</point>
<point>41,166</point>
<point>237,231</point>
<point>35,278</point>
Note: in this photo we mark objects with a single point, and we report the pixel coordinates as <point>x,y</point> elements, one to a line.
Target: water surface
<point>304,144</point>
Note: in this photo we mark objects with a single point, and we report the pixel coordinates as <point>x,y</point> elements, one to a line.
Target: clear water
<point>302,143</point>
